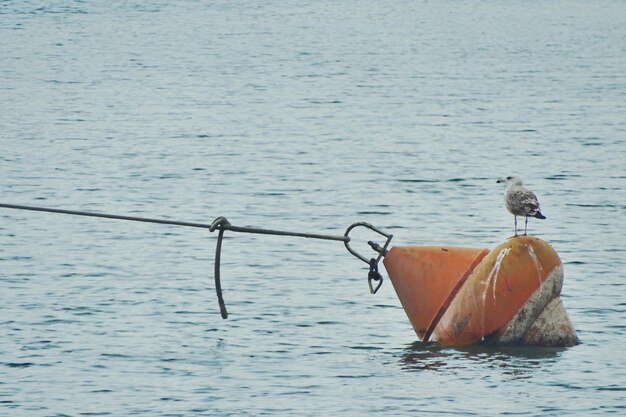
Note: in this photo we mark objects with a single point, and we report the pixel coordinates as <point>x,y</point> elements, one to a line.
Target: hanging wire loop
<point>222,224</point>
<point>218,283</point>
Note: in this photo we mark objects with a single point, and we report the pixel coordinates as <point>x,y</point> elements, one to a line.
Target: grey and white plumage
<point>520,201</point>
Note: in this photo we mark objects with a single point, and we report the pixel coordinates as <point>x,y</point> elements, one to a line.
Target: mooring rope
<point>222,224</point>
<point>212,227</point>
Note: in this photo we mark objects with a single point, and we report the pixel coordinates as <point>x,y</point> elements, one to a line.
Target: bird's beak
<point>499,181</point>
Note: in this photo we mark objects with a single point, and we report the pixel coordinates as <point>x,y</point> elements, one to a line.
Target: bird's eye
<point>509,178</point>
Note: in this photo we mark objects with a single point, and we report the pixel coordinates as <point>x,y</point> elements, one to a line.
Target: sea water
<point>302,116</point>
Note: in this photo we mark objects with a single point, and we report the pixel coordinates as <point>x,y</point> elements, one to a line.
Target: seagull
<point>520,201</point>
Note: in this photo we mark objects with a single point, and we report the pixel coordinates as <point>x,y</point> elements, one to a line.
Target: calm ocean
<point>305,116</point>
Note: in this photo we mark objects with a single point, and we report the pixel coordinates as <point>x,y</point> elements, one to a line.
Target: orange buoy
<point>425,278</point>
<point>461,296</point>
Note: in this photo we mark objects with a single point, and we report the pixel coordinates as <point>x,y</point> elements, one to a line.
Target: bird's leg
<point>525,225</point>
<point>515,217</point>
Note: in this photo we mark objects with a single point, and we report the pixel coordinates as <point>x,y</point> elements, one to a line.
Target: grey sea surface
<point>303,116</point>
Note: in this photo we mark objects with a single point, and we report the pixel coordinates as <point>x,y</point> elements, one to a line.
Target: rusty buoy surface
<point>461,296</point>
